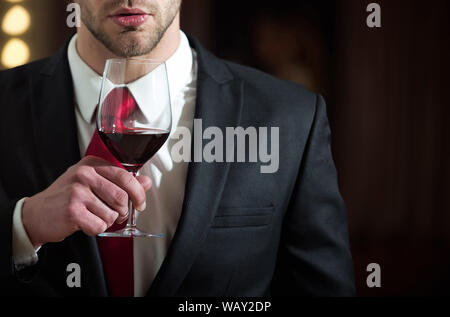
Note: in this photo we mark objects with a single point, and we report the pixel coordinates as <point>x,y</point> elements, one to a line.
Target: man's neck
<point>95,54</point>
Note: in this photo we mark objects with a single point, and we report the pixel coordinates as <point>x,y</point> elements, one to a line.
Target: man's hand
<point>90,196</point>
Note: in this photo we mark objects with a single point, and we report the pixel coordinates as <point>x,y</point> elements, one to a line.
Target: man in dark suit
<point>238,232</point>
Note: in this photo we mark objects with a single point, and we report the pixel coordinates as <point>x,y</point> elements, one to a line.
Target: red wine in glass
<point>133,147</point>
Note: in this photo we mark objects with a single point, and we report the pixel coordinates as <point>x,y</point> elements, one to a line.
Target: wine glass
<point>134,119</point>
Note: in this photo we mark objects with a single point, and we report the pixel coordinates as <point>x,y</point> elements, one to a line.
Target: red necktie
<point>113,115</point>
<point>116,253</point>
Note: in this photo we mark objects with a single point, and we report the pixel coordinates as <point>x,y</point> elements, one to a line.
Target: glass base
<point>130,233</point>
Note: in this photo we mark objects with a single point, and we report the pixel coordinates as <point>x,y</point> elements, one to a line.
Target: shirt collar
<point>87,82</point>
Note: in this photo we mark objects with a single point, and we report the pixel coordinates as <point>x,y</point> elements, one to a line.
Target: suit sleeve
<point>10,276</point>
<point>6,224</point>
<point>314,256</point>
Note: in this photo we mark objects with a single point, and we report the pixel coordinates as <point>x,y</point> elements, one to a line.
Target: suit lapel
<point>219,103</point>
<point>55,135</point>
<point>54,117</point>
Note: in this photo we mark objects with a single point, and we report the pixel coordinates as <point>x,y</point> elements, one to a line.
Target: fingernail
<point>142,207</point>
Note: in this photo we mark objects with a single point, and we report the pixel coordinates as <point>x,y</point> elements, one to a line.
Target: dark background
<point>387,95</point>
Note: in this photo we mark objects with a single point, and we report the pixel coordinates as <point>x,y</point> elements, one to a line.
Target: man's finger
<point>125,181</point>
<point>145,181</point>
<point>89,223</point>
<point>114,196</point>
<point>101,210</point>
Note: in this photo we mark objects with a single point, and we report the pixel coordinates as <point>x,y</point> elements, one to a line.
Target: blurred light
<point>14,1</point>
<point>15,53</point>
<point>16,21</point>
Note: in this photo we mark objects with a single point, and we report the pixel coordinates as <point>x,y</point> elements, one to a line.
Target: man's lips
<point>129,17</point>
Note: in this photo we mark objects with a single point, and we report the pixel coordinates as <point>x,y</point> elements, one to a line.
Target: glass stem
<point>131,211</point>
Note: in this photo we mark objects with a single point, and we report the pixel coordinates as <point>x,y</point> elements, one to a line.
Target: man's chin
<point>127,41</point>
<point>129,49</point>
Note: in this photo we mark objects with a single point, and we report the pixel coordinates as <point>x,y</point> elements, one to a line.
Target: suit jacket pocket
<point>234,217</point>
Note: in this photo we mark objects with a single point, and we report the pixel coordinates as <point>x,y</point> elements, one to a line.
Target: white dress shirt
<point>165,198</point>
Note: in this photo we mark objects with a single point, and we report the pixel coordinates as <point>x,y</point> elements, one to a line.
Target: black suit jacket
<point>241,233</point>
